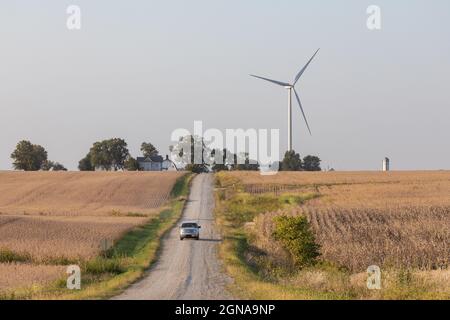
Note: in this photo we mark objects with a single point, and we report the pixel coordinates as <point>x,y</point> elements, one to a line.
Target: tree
<point>109,154</point>
<point>47,165</point>
<point>28,156</point>
<point>191,152</point>
<point>196,168</point>
<point>296,236</point>
<point>52,166</point>
<point>291,162</point>
<point>311,163</point>
<point>148,149</point>
<point>118,152</point>
<point>58,167</point>
<point>100,155</point>
<point>85,164</point>
<point>224,156</point>
<point>131,164</point>
<point>243,162</point>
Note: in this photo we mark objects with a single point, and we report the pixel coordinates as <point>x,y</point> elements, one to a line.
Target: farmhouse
<point>155,163</point>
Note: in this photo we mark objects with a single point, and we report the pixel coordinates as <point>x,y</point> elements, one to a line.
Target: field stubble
<point>397,220</point>
<point>50,219</point>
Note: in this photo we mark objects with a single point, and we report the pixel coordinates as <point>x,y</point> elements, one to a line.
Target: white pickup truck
<point>189,230</point>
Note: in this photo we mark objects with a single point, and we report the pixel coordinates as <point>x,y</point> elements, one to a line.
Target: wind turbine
<point>291,87</point>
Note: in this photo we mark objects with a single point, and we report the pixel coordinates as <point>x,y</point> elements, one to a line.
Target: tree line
<point>229,161</point>
<point>113,155</point>
<point>109,155</point>
<point>33,157</point>
<point>293,162</point>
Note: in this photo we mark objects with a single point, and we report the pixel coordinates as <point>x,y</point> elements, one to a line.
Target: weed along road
<point>187,269</point>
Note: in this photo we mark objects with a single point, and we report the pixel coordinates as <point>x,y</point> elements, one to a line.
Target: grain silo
<point>386,164</point>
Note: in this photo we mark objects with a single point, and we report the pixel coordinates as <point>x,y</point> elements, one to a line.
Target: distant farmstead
<point>155,163</point>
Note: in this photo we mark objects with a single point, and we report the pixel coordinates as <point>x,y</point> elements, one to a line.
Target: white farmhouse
<point>155,163</point>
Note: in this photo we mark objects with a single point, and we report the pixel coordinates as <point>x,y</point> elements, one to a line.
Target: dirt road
<point>187,269</point>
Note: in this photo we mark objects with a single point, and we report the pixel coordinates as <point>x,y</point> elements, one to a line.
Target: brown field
<point>83,193</point>
<point>20,276</point>
<point>339,177</point>
<point>50,238</point>
<point>395,219</point>
<point>51,217</point>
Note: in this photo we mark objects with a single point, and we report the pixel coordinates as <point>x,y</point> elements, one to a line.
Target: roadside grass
<point>249,285</point>
<point>243,207</point>
<point>115,269</point>
<point>235,212</point>
<point>232,215</point>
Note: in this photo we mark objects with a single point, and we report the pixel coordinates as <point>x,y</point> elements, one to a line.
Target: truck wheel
<point>181,238</point>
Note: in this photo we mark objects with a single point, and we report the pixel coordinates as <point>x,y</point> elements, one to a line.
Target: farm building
<point>155,163</point>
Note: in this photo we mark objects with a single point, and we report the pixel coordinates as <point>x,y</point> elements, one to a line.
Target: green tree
<point>296,237</point>
<point>291,162</point>
<point>311,163</point>
<point>118,153</point>
<point>131,164</point>
<point>192,154</point>
<point>85,164</point>
<point>224,156</point>
<point>58,167</point>
<point>100,155</point>
<point>28,156</point>
<point>109,154</point>
<point>243,162</point>
<point>148,149</point>
<point>53,166</point>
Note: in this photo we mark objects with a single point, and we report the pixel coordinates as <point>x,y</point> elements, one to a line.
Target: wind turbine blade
<point>283,84</point>
<point>304,68</point>
<point>301,108</point>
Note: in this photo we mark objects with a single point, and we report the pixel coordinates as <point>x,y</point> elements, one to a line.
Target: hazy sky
<point>140,69</point>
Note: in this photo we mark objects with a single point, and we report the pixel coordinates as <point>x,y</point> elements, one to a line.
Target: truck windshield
<point>189,225</point>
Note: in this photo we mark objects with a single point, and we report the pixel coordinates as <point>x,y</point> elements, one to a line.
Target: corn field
<point>396,219</point>
<point>413,237</point>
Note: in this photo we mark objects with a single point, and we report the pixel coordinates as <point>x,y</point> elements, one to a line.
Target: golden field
<point>399,221</point>
<point>50,238</point>
<point>21,275</point>
<point>83,193</point>
<point>49,218</point>
<point>364,218</point>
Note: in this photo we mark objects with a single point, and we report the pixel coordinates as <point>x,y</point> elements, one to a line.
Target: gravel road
<point>187,269</point>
